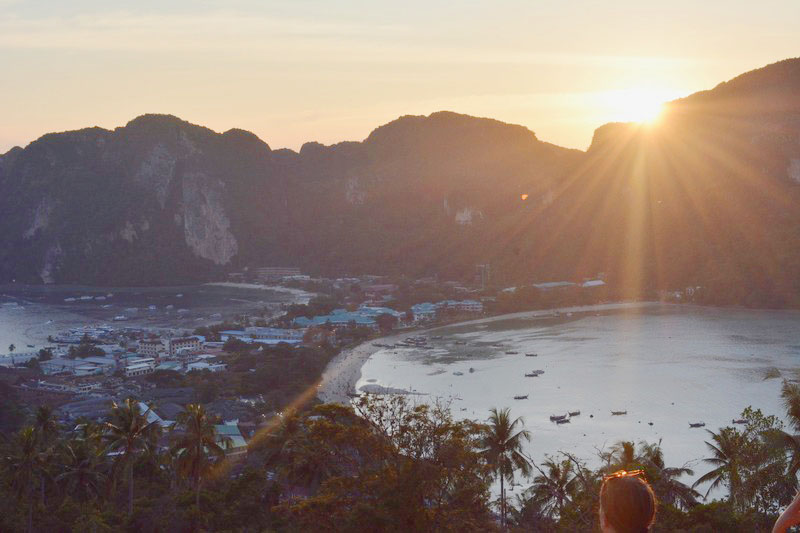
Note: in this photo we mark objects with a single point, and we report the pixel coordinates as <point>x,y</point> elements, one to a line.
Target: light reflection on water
<point>668,365</point>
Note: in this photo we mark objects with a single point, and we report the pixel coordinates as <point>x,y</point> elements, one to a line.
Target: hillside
<point>707,196</point>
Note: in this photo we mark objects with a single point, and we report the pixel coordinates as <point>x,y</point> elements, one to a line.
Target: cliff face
<point>708,193</point>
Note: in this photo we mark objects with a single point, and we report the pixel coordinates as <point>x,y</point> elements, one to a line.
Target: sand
<point>344,371</point>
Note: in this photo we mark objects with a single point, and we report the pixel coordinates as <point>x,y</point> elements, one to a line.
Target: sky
<point>328,71</point>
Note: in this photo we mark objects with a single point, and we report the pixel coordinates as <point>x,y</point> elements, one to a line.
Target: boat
<point>563,421</point>
<point>697,424</point>
<point>556,418</point>
<point>511,353</point>
<point>458,373</point>
<point>739,421</point>
<point>30,345</point>
<point>69,299</point>
<point>574,413</point>
<point>619,413</point>
<point>120,318</point>
<point>531,354</point>
<point>521,397</point>
<point>534,373</point>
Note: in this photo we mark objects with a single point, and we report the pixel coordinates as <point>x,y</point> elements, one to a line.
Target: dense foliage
<point>383,464</point>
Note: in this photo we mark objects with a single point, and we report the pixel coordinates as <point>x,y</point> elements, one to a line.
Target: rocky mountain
<point>707,196</point>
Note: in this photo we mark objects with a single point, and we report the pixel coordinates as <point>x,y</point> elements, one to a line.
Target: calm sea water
<point>669,365</point>
<point>28,314</point>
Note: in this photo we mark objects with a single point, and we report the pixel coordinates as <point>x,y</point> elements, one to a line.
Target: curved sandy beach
<point>343,372</point>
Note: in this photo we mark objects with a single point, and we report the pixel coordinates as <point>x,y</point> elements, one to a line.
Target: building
<point>464,306</point>
<point>169,347</point>
<point>265,335</point>
<point>202,365</point>
<point>183,345</point>
<point>236,445</point>
<point>424,311</point>
<point>427,311</point>
<point>273,274</point>
<point>66,387</point>
<point>151,347</point>
<point>88,366</point>
<point>139,366</point>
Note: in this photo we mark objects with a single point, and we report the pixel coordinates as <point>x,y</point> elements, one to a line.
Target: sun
<point>637,104</point>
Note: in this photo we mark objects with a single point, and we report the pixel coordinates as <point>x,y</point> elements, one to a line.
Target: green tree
<point>554,487</point>
<point>130,434</point>
<point>664,479</point>
<point>386,322</point>
<point>23,466</point>
<point>502,449</point>
<point>196,447</point>
<point>83,469</point>
<point>727,457</point>
<point>46,428</point>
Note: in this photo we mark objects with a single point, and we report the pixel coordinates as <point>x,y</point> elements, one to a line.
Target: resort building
<point>265,335</point>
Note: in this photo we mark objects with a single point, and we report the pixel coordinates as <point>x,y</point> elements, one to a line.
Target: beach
<point>344,371</point>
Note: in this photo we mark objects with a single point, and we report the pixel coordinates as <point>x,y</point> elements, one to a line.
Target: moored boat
<point>521,397</point>
<point>619,413</point>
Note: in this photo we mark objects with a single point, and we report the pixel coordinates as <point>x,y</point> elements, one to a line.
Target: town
<point>244,369</point>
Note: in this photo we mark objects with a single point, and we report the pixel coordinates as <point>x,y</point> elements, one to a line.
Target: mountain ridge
<point>419,195</point>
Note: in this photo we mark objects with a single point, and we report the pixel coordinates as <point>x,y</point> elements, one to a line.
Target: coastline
<point>301,296</point>
<point>344,371</point>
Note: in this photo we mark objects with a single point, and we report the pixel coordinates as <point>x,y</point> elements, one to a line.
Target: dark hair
<point>628,504</point>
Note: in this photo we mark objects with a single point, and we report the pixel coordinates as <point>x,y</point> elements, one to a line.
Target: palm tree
<point>664,479</point>
<point>502,450</point>
<point>82,469</point>
<point>195,444</point>
<point>621,456</point>
<point>789,442</point>
<point>46,431</point>
<point>22,466</point>
<point>727,448</point>
<point>553,488</point>
<point>129,434</point>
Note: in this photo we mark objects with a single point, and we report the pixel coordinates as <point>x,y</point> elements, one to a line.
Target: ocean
<point>666,365</point>
<point>29,313</point>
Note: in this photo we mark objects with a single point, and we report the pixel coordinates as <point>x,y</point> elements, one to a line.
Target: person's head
<point>627,504</point>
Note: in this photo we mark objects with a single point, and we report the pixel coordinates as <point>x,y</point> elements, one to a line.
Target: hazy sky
<point>302,70</point>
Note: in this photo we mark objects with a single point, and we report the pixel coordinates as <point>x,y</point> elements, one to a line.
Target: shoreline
<point>343,372</point>
<point>297,293</point>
